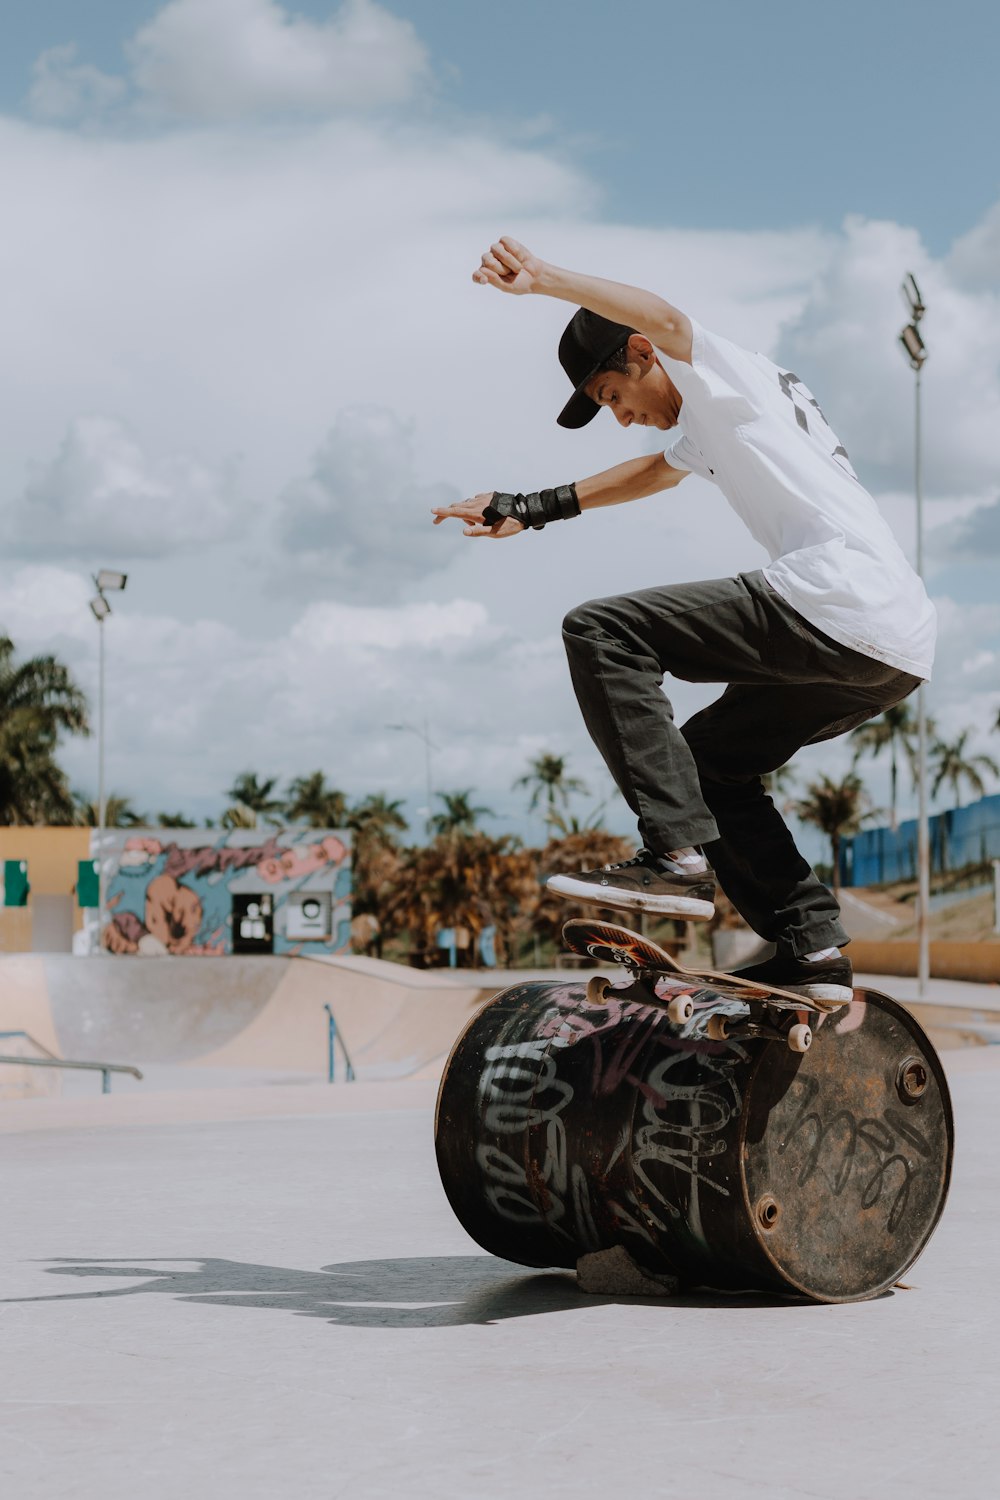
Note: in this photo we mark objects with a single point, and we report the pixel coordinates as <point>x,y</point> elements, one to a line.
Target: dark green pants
<point>788,686</point>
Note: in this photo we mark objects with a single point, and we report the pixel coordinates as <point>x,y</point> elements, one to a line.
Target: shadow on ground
<point>414,1292</point>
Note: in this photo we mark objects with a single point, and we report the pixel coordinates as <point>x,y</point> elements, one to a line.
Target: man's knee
<point>588,620</point>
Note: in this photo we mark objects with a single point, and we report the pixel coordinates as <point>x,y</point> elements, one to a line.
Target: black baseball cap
<point>588,342</point>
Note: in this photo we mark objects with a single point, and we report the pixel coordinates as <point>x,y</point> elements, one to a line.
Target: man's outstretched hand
<point>510,267</point>
<point>471,513</point>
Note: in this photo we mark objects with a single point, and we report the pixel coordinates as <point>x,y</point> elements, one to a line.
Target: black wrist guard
<point>535,510</point>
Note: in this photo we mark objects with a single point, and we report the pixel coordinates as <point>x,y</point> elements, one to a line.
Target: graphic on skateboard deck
<point>609,943</point>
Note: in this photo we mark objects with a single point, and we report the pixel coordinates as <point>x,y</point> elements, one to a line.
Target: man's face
<point>642,396</point>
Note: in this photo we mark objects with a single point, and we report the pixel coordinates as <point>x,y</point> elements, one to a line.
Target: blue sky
<point>244,354</point>
<point>715,115</point>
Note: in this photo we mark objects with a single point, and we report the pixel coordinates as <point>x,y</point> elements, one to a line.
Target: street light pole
<point>429,745</point>
<point>917,354</point>
<point>106,581</point>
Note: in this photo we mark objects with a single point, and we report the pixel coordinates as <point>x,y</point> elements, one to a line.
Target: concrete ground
<point>263,1292</point>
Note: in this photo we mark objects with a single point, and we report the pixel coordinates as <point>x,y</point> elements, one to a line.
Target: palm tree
<point>377,818</point>
<point>953,765</point>
<point>257,796</point>
<point>459,816</point>
<point>895,729</point>
<point>564,825</point>
<point>836,808</point>
<point>173,820</point>
<point>311,801</point>
<point>466,881</point>
<point>238,816</point>
<point>377,861</point>
<point>547,779</point>
<point>118,812</point>
<point>39,701</point>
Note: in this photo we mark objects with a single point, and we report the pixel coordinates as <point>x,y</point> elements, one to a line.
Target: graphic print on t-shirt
<point>813,422</point>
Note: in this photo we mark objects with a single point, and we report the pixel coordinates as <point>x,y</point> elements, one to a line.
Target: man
<point>833,631</point>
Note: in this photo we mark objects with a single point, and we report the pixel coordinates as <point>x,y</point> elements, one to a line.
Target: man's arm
<point>632,480</point>
<point>510,267</point>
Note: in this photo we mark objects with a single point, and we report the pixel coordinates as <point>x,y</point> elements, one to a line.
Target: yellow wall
<point>52,855</point>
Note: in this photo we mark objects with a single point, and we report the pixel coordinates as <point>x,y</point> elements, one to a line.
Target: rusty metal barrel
<point>566,1126</point>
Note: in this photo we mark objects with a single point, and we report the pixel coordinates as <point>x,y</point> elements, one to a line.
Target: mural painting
<point>281,891</point>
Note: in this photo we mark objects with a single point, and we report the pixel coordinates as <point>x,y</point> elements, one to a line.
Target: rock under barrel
<point>565,1127</point>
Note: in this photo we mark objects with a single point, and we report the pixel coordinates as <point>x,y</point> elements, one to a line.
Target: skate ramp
<point>239,1019</point>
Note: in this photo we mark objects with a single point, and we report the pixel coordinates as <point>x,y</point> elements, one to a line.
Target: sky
<point>244,355</point>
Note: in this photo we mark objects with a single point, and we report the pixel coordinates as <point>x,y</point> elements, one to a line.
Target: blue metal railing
<point>51,1061</point>
<point>331,1050</point>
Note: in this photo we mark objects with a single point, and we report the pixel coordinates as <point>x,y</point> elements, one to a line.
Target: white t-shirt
<point>758,433</point>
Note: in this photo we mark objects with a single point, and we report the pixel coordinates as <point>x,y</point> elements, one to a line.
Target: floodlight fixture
<point>911,293</point>
<point>108,580</point>
<point>100,608</point>
<point>914,345</point>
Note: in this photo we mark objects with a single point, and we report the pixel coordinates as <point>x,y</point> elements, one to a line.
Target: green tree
<point>836,808</point>
<point>952,765</point>
<point>459,816</point>
<point>548,781</point>
<point>256,795</point>
<point>377,818</point>
<point>564,824</point>
<point>39,701</point>
<point>377,859</point>
<point>118,812</point>
<point>894,730</point>
<point>311,801</point>
<point>465,881</point>
<point>238,816</point>
<point>173,820</point>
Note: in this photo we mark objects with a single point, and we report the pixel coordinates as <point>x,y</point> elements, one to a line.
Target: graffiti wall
<point>172,891</point>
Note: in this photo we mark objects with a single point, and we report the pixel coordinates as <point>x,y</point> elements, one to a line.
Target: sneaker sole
<point>674,906</point>
<point>823,996</point>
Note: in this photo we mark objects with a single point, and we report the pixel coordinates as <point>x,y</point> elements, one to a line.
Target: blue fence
<point>964,836</point>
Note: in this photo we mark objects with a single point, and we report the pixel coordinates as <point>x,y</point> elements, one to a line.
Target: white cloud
<point>844,343</point>
<point>974,260</point>
<point>358,521</point>
<point>412,625</point>
<point>64,89</point>
<point>216,60</point>
<point>103,493</point>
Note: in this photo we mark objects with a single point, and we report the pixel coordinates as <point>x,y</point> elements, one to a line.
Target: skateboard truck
<point>646,961</point>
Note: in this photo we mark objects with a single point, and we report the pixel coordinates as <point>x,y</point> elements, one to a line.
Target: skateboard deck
<point>609,943</point>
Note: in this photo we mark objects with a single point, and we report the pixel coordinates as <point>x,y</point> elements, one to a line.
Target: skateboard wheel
<point>718,1028</point>
<point>800,1038</point>
<point>597,989</point>
<point>681,1009</point>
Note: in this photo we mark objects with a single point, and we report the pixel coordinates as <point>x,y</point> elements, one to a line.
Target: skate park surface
<point>235,1278</point>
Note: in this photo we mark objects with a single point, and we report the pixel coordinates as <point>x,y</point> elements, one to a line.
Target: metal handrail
<point>331,1051</point>
<point>51,1061</point>
<point>29,1038</point>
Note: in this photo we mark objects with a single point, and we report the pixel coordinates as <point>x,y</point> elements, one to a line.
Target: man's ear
<point>641,348</point>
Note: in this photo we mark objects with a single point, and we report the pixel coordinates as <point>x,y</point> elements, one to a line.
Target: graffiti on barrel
<point>840,1145</point>
<point>684,1116</point>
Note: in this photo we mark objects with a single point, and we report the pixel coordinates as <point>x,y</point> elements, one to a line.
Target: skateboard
<point>609,943</point>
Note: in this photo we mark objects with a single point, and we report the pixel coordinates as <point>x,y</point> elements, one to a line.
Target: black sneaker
<point>641,884</point>
<point>827,982</point>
